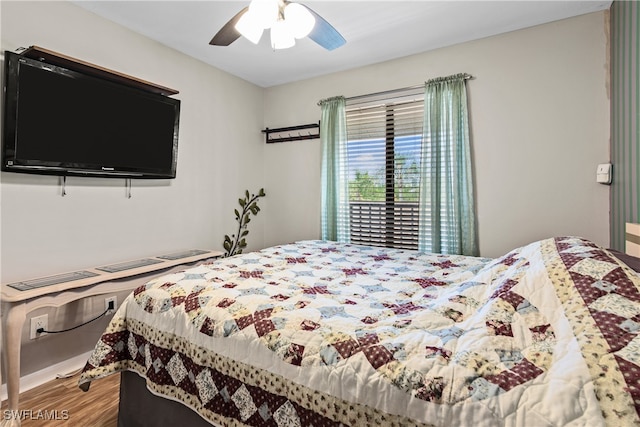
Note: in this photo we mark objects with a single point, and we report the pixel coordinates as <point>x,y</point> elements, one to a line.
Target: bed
<point>319,333</point>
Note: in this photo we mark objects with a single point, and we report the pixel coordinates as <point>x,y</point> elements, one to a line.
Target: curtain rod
<point>386,92</point>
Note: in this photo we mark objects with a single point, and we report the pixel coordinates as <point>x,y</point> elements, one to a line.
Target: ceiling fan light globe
<point>299,20</point>
<point>265,12</point>
<point>248,27</point>
<point>281,37</point>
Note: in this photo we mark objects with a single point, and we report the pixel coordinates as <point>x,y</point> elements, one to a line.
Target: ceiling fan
<point>287,20</point>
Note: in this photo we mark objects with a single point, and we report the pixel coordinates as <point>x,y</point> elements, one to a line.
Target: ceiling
<point>375,31</point>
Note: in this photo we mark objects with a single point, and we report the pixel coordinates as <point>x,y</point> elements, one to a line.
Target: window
<point>380,188</point>
<point>383,170</point>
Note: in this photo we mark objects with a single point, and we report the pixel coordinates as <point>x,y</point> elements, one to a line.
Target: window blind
<point>383,168</point>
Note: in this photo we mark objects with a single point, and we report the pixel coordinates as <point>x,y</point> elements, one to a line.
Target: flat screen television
<point>62,121</point>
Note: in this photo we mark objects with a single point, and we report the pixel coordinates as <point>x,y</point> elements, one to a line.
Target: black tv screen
<point>64,122</point>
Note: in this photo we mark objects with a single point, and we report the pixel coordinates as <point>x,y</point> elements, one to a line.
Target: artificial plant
<point>237,242</point>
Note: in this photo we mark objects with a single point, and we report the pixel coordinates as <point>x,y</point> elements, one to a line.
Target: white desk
<point>16,304</point>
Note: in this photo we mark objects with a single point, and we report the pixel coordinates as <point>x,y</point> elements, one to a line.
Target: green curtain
<point>447,208</point>
<point>335,188</point>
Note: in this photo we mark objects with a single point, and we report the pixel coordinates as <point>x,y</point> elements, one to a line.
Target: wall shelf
<point>55,58</point>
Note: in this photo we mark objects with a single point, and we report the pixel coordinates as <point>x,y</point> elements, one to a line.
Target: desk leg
<point>15,317</point>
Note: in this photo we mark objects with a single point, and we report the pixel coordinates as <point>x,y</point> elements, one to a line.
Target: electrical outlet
<point>107,301</point>
<point>37,323</point>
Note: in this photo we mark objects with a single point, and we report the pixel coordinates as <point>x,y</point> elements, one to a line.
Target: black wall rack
<point>292,133</point>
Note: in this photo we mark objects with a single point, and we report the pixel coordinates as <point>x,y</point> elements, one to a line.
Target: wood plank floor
<point>62,399</point>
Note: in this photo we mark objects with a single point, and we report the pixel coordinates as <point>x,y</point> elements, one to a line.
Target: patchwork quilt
<point>321,334</point>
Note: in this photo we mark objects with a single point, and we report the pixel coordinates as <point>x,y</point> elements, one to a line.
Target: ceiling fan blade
<point>324,34</point>
<point>228,34</point>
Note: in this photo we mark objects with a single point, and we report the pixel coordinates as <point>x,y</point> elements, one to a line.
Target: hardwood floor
<point>61,403</point>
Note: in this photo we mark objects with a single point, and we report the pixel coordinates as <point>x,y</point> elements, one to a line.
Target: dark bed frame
<point>139,407</point>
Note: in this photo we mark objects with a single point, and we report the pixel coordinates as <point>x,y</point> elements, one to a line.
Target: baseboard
<point>49,373</point>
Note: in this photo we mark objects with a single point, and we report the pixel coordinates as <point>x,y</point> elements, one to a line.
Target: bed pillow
<point>630,260</point>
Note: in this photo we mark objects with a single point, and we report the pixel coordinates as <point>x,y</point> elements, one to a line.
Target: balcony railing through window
<point>370,225</point>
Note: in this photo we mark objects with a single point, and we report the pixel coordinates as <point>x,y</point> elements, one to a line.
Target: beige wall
<point>539,123</point>
<point>220,155</point>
